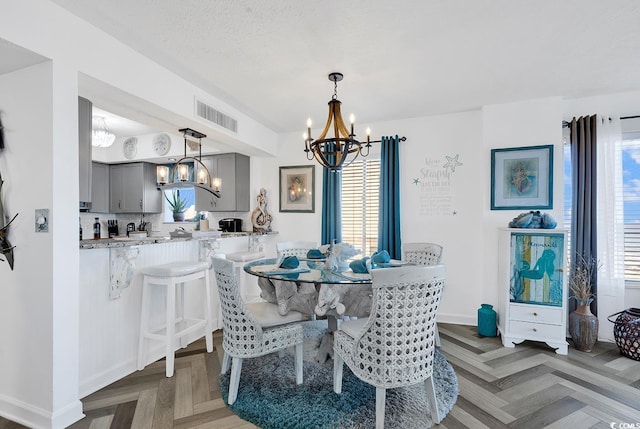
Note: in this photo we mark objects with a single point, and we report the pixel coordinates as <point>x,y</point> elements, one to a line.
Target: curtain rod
<point>566,124</point>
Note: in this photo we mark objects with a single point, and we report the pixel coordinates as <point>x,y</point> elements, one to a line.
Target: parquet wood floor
<point>528,386</point>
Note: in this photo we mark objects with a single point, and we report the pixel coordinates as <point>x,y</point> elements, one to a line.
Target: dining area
<point>374,315</point>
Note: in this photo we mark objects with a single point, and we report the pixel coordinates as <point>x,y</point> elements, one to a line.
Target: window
<point>360,202</point>
<point>187,194</point>
<point>631,202</point>
<point>631,198</point>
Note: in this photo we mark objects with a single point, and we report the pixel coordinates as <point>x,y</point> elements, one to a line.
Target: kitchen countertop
<point>107,243</point>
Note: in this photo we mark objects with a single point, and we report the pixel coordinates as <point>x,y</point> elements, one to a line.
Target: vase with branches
<point>583,325</point>
<point>178,205</point>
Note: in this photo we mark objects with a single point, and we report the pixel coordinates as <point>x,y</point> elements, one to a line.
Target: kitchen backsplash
<point>155,220</point>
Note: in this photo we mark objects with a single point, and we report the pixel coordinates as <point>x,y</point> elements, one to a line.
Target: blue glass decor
<point>487,320</point>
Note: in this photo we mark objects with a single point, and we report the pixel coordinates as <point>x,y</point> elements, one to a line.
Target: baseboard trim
<point>110,375</point>
<point>456,319</point>
<point>38,418</point>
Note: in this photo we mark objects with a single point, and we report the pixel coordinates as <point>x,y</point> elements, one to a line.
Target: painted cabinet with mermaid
<point>532,287</point>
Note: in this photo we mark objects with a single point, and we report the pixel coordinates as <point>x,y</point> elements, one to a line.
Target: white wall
<point>431,137</point>
<point>470,235</point>
<point>526,123</point>
<point>38,299</point>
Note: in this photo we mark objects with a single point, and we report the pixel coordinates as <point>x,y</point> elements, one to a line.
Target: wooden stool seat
<point>173,277</point>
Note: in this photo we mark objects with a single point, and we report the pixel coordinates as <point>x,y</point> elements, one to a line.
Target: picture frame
<point>297,189</point>
<point>522,178</point>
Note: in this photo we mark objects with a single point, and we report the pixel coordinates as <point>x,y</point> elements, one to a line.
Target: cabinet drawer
<point>533,330</point>
<point>531,313</point>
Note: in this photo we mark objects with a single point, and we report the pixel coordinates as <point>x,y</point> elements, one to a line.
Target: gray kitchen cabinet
<point>234,170</point>
<point>99,188</point>
<point>133,189</point>
<point>85,109</point>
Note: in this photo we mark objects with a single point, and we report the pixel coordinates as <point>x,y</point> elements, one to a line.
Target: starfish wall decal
<point>452,162</point>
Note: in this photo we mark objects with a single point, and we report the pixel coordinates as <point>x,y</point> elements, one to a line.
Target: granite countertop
<point>107,243</point>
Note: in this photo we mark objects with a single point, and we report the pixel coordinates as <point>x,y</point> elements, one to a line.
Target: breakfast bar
<point>111,294</point>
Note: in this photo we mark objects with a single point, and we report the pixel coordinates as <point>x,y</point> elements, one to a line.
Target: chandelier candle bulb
<point>368,134</point>
<point>217,183</point>
<point>202,176</point>
<point>352,119</point>
<point>162,174</point>
<point>183,172</point>
<point>308,129</point>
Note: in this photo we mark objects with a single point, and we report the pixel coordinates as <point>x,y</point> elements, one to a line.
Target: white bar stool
<point>173,276</point>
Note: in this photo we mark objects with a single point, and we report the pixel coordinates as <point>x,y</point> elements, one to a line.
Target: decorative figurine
<point>260,217</point>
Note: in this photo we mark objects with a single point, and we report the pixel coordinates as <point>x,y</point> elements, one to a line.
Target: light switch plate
<point>42,220</point>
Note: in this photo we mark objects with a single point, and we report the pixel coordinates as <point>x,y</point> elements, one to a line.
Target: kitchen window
<point>187,194</point>
<point>360,204</point>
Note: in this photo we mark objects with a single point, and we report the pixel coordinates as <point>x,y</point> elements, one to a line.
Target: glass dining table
<point>310,288</point>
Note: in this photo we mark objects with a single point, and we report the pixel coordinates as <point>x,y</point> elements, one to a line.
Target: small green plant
<point>178,204</point>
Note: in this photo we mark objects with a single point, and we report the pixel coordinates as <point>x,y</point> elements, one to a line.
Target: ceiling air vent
<point>210,114</point>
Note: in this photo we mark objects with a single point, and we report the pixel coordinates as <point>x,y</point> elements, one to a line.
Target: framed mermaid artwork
<point>297,189</point>
<point>522,178</point>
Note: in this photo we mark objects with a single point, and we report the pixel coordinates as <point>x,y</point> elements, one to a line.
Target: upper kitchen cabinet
<point>99,188</point>
<point>233,169</point>
<point>85,109</point>
<point>133,188</point>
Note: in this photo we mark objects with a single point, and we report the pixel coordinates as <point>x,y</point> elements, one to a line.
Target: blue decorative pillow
<point>315,254</point>
<point>359,265</point>
<point>380,257</point>
<point>290,262</point>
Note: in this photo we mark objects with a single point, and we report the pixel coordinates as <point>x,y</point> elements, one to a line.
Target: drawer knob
<point>535,314</point>
<point>535,330</point>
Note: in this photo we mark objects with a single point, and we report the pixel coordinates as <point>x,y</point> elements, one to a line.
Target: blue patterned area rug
<point>269,397</point>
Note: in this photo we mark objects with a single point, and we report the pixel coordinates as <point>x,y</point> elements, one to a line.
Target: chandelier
<point>100,135</point>
<point>179,176</point>
<point>342,149</point>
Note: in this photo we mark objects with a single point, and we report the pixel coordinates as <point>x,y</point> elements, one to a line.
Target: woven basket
<point>626,331</point>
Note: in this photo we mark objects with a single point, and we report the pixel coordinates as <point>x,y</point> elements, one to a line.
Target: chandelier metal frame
<point>202,180</point>
<point>337,152</point>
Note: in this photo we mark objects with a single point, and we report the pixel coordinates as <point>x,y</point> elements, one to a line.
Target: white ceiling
<point>400,59</point>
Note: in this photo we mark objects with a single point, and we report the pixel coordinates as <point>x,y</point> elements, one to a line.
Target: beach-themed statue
<point>260,217</point>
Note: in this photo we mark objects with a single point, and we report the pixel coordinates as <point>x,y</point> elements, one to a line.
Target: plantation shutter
<point>360,204</point>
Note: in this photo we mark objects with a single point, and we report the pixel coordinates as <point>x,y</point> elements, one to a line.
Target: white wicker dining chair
<point>394,346</point>
<point>295,248</point>
<point>252,330</point>
<point>423,254</point>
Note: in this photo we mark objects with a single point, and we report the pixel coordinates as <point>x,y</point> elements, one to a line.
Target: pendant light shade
<point>100,135</point>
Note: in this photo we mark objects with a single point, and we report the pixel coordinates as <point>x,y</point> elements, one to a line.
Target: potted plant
<point>583,325</point>
<point>178,205</point>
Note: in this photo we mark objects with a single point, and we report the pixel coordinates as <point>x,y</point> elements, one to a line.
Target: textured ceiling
<point>400,59</point>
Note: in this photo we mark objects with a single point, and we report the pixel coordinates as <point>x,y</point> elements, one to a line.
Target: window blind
<point>631,213</point>
<point>630,210</point>
<point>360,204</point>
